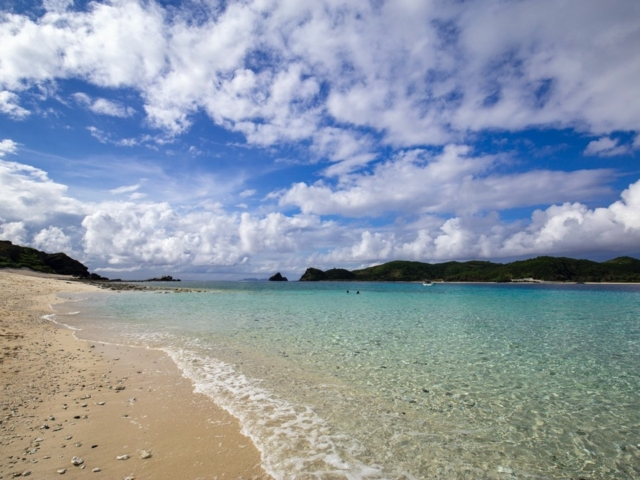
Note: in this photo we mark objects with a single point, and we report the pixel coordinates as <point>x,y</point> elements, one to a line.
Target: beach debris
<point>144,454</point>
<point>123,457</point>
<point>96,470</point>
<point>101,403</point>
<point>506,470</point>
<point>26,473</point>
<point>120,387</point>
<point>76,461</point>
<point>62,471</point>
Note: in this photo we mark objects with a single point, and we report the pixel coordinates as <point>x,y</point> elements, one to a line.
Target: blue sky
<point>228,140</point>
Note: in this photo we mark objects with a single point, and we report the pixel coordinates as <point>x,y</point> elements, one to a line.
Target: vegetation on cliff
<point>558,269</point>
<point>15,256</point>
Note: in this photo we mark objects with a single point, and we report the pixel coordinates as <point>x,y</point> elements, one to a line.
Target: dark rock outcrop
<point>164,278</point>
<point>278,278</point>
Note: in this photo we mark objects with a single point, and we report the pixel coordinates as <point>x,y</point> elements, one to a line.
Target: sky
<point>232,139</point>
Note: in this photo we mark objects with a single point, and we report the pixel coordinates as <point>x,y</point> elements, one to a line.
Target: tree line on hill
<point>551,269</point>
<point>16,256</point>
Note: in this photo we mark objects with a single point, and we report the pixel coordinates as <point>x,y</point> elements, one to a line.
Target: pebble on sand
<point>145,454</point>
<point>62,471</point>
<point>123,457</point>
<point>77,461</point>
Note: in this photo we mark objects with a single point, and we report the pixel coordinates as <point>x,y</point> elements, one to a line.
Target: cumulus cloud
<point>7,146</point>
<point>15,232</point>
<point>28,195</point>
<point>9,105</point>
<point>134,234</point>
<point>606,147</point>
<point>285,71</point>
<point>559,229</point>
<point>53,239</point>
<point>453,181</point>
<point>125,233</point>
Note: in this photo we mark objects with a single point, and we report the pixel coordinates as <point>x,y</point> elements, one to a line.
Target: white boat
<point>427,283</point>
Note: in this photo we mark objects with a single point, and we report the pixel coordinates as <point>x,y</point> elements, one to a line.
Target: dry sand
<point>62,398</point>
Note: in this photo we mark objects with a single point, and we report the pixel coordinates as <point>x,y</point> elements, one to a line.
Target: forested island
<point>549,269</point>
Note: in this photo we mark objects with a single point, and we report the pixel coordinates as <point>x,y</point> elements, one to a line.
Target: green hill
<point>15,256</point>
<point>557,269</point>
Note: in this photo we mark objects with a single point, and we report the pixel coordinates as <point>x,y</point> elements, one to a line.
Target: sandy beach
<point>116,412</point>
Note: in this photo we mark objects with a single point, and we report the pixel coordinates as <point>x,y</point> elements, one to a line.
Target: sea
<point>351,380</point>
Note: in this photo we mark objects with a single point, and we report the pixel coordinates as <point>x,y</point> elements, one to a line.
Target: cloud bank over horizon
<point>238,138</point>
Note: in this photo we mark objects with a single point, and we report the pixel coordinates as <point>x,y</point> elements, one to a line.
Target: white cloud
<point>247,193</point>
<point>415,73</point>
<point>126,235</point>
<point>7,146</point>
<point>606,147</point>
<point>108,107</point>
<point>570,228</point>
<point>98,134</point>
<point>9,105</point>
<point>451,182</point>
<point>102,106</point>
<point>106,138</point>
<point>15,232</point>
<point>51,240</point>
<point>28,195</point>
<point>57,5</point>
<point>125,189</point>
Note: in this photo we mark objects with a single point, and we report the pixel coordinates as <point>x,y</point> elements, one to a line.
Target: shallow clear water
<point>405,381</point>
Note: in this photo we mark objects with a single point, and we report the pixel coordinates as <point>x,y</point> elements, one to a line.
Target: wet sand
<point>124,412</point>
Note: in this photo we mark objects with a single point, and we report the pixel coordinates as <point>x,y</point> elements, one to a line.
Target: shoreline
<point>125,411</point>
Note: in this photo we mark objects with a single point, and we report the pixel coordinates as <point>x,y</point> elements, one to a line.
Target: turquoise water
<point>405,381</point>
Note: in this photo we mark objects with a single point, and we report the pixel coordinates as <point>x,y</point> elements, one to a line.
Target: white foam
<point>295,442</point>
<point>51,317</point>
